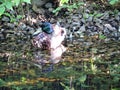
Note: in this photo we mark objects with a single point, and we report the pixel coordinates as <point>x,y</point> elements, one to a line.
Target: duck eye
<point>62,32</point>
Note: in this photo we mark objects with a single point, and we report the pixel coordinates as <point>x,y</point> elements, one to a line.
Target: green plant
<point>17,88</point>
<point>66,87</point>
<point>113,2</point>
<point>2,82</point>
<point>69,7</point>
<point>101,36</point>
<point>63,2</point>
<point>12,17</point>
<point>9,4</point>
<point>5,5</point>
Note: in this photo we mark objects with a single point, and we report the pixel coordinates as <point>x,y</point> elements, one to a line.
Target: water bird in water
<point>51,39</point>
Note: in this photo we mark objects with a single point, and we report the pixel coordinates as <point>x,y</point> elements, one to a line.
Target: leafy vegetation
<point>64,4</point>
<point>69,7</point>
<point>113,2</point>
<point>6,5</point>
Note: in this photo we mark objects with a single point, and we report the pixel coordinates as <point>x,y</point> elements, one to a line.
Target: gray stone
<point>5,19</point>
<point>10,25</point>
<point>22,26</point>
<point>39,3</point>
<point>109,27</point>
<point>82,28</point>
<point>50,9</point>
<point>48,5</point>
<point>90,18</point>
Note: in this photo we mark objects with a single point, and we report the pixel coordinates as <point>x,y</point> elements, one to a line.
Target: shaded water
<point>86,64</point>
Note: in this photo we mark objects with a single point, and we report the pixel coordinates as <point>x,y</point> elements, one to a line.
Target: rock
<point>83,20</point>
<point>114,23</point>
<point>119,29</point>
<point>82,28</point>
<point>48,5</point>
<point>100,26</point>
<point>109,27</point>
<point>50,9</point>
<point>38,10</point>
<point>10,25</point>
<point>5,19</point>
<point>86,15</point>
<point>67,13</point>
<point>28,28</point>
<point>12,12</point>
<point>115,35</point>
<point>105,16</point>
<point>1,36</point>
<point>90,19</point>
<point>76,23</point>
<point>38,3</point>
<point>117,18</point>
<point>22,26</point>
<point>97,20</point>
<point>31,31</point>
<point>75,18</point>
<point>106,31</point>
<point>79,25</point>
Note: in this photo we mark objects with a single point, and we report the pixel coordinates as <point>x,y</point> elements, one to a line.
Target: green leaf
<point>112,2</point>
<point>101,36</point>
<point>2,82</point>
<point>63,1</point>
<point>1,1</point>
<point>66,87</point>
<point>115,88</point>
<point>83,78</point>
<point>57,9</point>
<point>16,2</point>
<point>27,1</point>
<point>9,5</point>
<point>7,14</point>
<point>23,79</point>
<point>19,16</point>
<point>81,3</point>
<point>98,15</point>
<point>2,10</point>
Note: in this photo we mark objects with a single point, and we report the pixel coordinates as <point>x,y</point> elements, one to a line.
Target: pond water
<point>86,65</point>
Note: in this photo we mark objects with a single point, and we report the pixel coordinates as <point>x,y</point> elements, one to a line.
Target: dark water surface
<point>92,60</point>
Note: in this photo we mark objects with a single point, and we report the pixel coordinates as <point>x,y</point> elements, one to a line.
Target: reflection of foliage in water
<point>93,65</point>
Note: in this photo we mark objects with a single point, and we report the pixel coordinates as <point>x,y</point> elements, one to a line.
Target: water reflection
<point>35,67</point>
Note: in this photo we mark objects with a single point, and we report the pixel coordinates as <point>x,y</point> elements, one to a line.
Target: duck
<point>51,37</point>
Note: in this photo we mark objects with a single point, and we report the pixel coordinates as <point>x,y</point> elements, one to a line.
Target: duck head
<point>47,27</point>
